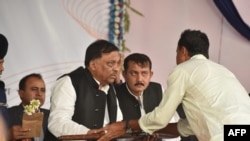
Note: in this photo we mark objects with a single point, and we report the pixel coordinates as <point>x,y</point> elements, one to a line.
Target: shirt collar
<point>104,88</point>
<point>198,56</point>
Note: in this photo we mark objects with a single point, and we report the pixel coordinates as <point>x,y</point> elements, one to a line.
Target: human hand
<point>17,132</point>
<point>109,132</point>
<point>26,139</point>
<point>153,137</point>
<point>118,79</point>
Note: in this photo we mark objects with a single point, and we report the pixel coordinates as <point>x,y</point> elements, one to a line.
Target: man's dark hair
<point>97,48</point>
<point>3,46</point>
<point>22,83</point>
<point>141,59</point>
<point>195,41</point>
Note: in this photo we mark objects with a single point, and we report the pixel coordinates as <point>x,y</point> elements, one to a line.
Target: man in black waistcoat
<point>31,87</point>
<point>85,98</point>
<point>137,95</point>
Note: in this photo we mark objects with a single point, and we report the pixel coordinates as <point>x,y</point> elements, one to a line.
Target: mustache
<point>139,83</point>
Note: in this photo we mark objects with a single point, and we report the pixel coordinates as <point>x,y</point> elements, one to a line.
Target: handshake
<point>118,130</point>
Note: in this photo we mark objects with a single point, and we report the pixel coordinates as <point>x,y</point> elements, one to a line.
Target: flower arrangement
<point>33,107</point>
<point>33,119</point>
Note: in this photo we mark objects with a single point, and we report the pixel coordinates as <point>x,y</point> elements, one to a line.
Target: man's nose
<point>39,93</point>
<point>139,77</point>
<point>117,67</point>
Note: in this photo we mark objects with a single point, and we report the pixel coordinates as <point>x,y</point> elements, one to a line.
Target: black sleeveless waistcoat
<point>90,102</point>
<point>130,106</point>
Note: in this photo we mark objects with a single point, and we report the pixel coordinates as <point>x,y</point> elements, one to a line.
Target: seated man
<point>84,98</point>
<point>31,87</point>
<point>138,96</point>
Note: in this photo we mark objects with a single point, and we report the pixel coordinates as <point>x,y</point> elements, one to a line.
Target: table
<point>134,136</point>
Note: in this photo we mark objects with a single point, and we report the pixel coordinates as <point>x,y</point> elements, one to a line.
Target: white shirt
<point>62,109</point>
<point>211,96</point>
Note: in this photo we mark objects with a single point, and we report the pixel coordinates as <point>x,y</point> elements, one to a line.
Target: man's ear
<point>92,65</point>
<point>21,93</point>
<point>124,73</point>
<point>185,52</point>
<point>151,74</point>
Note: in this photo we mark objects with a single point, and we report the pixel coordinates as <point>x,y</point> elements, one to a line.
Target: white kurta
<point>211,96</point>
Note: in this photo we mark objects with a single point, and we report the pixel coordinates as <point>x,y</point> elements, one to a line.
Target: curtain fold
<point>228,9</point>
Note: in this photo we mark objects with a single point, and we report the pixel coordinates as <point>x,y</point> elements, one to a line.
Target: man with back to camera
<point>196,82</point>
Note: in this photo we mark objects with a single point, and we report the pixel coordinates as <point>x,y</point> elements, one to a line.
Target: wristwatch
<point>128,128</point>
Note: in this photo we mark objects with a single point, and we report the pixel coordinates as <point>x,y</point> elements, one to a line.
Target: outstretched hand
<point>111,131</point>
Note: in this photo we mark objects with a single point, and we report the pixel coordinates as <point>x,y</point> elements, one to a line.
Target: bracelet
<point>128,129</point>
